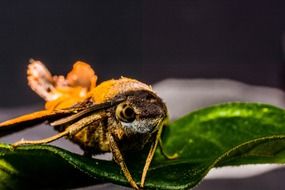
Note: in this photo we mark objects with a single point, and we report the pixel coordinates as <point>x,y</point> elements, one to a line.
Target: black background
<point>147,40</point>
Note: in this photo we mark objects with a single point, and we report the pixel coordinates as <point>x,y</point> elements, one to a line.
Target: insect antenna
<point>85,112</point>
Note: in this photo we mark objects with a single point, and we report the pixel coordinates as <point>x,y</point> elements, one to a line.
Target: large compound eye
<point>125,113</point>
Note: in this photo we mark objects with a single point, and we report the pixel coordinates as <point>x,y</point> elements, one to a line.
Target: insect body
<point>115,116</point>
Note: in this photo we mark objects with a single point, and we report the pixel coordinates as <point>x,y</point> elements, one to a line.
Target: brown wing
<point>88,110</point>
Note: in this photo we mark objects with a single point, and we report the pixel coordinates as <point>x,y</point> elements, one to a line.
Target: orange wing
<point>60,94</point>
<point>31,119</point>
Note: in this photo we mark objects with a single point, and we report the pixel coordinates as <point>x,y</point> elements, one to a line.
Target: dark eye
<point>125,113</point>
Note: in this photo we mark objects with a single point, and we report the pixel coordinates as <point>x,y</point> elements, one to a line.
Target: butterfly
<point>115,116</point>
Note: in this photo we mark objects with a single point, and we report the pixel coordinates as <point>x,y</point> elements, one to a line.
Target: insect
<point>115,116</point>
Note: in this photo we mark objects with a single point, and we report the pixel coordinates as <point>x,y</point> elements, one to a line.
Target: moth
<point>115,116</point>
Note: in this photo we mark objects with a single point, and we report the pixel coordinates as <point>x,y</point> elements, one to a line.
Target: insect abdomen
<point>92,139</point>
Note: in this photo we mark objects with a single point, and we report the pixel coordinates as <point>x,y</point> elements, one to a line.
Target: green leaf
<point>222,135</point>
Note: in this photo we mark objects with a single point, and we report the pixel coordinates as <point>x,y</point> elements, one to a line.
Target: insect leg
<point>42,141</point>
<point>87,154</point>
<point>69,131</point>
<point>167,156</point>
<point>150,155</point>
<point>118,157</point>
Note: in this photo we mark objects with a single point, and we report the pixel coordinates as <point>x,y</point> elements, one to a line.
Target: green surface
<point>228,134</point>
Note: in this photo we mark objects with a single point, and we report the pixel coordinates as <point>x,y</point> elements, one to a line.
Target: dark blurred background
<point>147,40</point>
